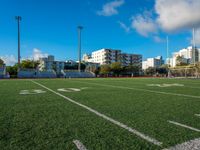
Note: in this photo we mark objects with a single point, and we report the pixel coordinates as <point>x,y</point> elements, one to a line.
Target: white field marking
<point>31,92</point>
<point>189,145</point>
<point>167,85</point>
<point>79,145</point>
<point>83,88</point>
<point>184,126</point>
<point>198,115</point>
<point>145,90</point>
<point>69,90</point>
<point>134,131</point>
<point>74,89</point>
<point>184,86</point>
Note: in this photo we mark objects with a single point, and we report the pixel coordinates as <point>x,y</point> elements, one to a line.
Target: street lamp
<point>18,18</point>
<point>79,47</point>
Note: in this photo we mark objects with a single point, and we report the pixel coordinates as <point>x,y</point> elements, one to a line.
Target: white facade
<point>49,64</point>
<point>152,62</point>
<point>109,56</point>
<point>105,56</point>
<point>187,54</point>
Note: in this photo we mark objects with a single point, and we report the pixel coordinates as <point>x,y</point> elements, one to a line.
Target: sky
<point>49,27</point>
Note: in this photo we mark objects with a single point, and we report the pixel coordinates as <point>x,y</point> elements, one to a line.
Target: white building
<point>109,56</point>
<point>87,58</point>
<point>188,56</point>
<point>105,56</point>
<point>152,62</point>
<point>49,64</point>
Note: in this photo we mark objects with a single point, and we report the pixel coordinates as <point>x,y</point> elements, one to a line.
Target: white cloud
<point>178,14</point>
<point>124,26</point>
<point>38,54</point>
<point>158,39</point>
<point>9,60</point>
<point>110,8</point>
<point>144,24</point>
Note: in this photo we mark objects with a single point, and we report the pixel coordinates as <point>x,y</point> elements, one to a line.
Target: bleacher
<point>32,73</point>
<point>46,74</point>
<point>28,73</point>
<point>2,73</point>
<point>76,74</point>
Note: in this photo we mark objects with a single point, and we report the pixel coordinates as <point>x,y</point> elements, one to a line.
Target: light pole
<point>168,61</point>
<point>18,18</point>
<point>194,47</point>
<point>79,47</point>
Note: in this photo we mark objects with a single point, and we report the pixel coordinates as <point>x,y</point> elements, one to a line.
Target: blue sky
<point>50,26</point>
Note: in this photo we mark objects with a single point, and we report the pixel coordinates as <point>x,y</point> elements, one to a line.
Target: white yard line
<point>145,90</point>
<point>134,131</point>
<point>189,145</point>
<point>79,145</point>
<point>198,115</point>
<point>184,126</point>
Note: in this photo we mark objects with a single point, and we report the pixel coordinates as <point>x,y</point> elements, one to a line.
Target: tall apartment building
<point>109,56</point>
<point>152,62</point>
<point>189,55</point>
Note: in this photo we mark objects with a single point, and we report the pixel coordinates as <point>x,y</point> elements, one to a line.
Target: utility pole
<point>167,39</point>
<point>18,18</point>
<point>194,47</point>
<point>79,47</point>
<point>167,47</point>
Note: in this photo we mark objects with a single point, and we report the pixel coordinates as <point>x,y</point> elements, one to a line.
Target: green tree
<point>150,71</point>
<point>163,70</point>
<point>97,71</point>
<point>197,68</point>
<point>12,70</point>
<point>105,69</point>
<point>180,62</point>
<point>29,64</point>
<point>132,69</point>
<point>1,63</point>
<point>116,68</point>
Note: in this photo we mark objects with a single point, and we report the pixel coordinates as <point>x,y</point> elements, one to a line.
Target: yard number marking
<point>138,89</point>
<point>79,145</point>
<point>166,85</point>
<point>31,92</point>
<point>71,89</point>
<point>134,131</point>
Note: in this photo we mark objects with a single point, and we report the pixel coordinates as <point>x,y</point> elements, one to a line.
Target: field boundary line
<point>79,145</point>
<point>134,131</point>
<point>183,125</point>
<point>145,90</point>
<point>198,115</point>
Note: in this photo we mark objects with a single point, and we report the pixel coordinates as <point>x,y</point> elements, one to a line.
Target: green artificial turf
<point>48,121</point>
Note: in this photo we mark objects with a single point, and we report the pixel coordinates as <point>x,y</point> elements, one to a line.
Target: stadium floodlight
<point>79,47</point>
<point>167,46</point>
<point>194,47</point>
<point>168,61</point>
<point>18,18</point>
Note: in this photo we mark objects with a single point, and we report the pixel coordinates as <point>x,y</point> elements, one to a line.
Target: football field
<point>100,114</point>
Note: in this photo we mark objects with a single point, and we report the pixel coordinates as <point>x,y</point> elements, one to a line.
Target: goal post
<point>184,72</point>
